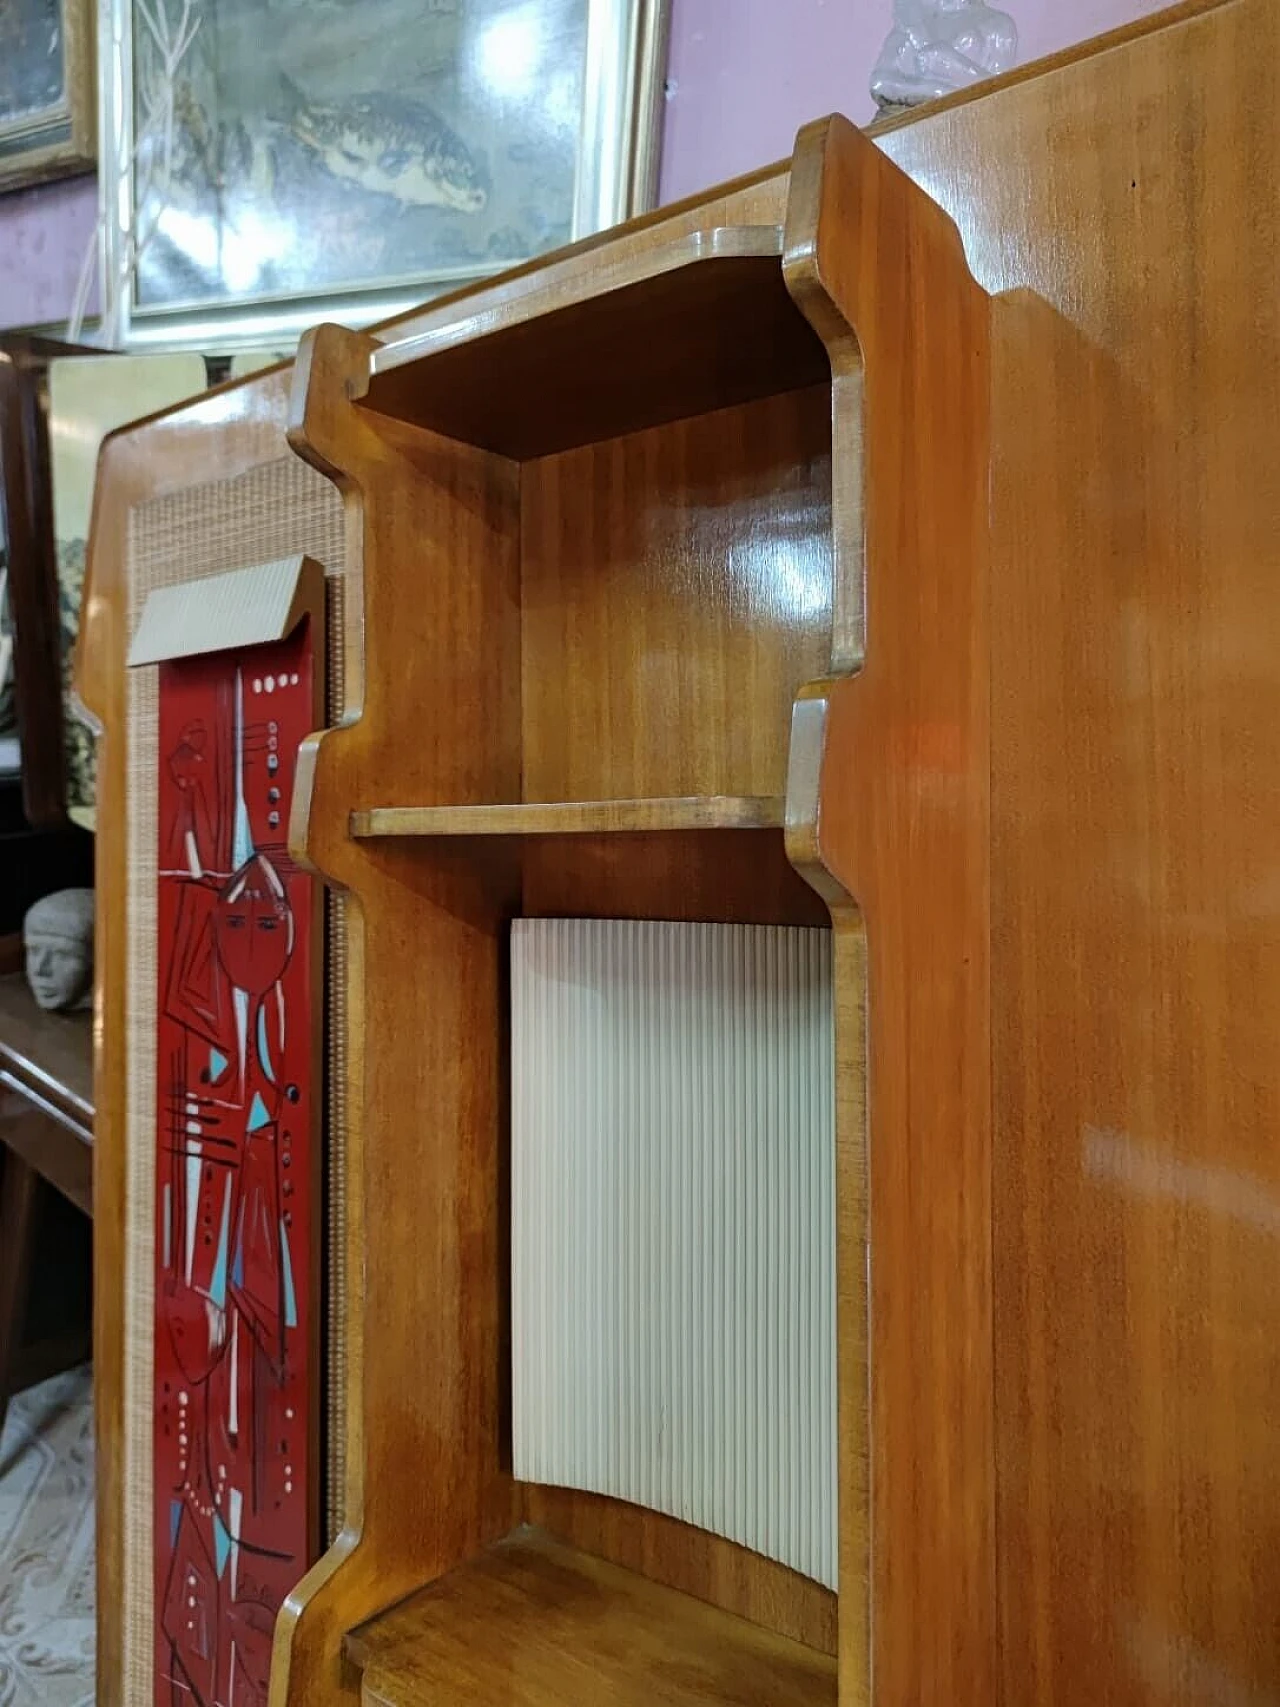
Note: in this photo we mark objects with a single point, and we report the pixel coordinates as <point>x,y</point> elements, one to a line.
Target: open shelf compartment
<point>623,625</point>
<point>699,323</point>
<point>612,532</point>
<point>531,1622</point>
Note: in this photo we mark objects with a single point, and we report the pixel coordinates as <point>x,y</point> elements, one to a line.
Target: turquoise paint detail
<point>217,1064</point>
<point>242,838</point>
<point>290,1301</point>
<point>221,1544</point>
<point>258,1116</point>
<point>175,1518</point>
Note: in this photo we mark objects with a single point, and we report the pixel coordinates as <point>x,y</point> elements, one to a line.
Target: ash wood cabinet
<point>616,582</point>
<point>886,544</point>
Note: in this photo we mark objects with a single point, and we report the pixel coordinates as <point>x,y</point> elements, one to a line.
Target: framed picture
<point>48,113</point>
<point>269,163</point>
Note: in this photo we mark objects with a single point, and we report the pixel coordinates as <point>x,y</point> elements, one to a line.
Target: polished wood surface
<point>431,1185</point>
<point>896,821</point>
<point>683,581</point>
<point>737,877</point>
<point>700,322</point>
<point>1129,200</point>
<point>530,1623</point>
<point>47,1055</point>
<point>19,1198</point>
<point>574,817</point>
<point>1049,794</point>
<point>56,1152</point>
<point>679,584</point>
<point>701,1566</point>
<point>527,576</point>
<point>46,1130</point>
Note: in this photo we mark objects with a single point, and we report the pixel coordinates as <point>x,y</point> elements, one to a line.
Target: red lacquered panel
<point>237,1075</point>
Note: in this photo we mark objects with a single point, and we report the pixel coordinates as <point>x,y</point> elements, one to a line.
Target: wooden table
<point>46,1138</point>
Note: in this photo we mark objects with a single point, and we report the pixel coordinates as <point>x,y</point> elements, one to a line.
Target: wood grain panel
<point>741,877</point>
<point>451,728</point>
<point>1135,821</point>
<point>222,436</point>
<point>694,324</point>
<point>1130,189</point>
<point>426,1171</point>
<point>529,1622</point>
<point>894,762</point>
<point>49,1054</point>
<point>689,1560</point>
<point>574,817</point>
<point>680,580</point>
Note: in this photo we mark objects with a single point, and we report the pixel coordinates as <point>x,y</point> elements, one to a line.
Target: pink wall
<point>739,91</point>
<point>43,237</point>
<point>744,76</point>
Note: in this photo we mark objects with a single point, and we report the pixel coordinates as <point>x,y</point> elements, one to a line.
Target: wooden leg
<point>19,1193</point>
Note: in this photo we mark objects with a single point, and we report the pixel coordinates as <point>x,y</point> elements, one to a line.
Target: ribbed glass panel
<point>673,1224</point>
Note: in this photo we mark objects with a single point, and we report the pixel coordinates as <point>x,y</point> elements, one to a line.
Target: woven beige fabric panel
<point>224,613</point>
<point>274,511</point>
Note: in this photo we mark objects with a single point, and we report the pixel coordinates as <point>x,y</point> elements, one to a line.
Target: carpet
<point>46,1546</point>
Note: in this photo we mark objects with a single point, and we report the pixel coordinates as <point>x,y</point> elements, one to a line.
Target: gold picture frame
<point>48,90</point>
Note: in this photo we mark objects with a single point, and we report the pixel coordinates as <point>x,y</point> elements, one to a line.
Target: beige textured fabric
<point>274,511</point>
<point>221,613</point>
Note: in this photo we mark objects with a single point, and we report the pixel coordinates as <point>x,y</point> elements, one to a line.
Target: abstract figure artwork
<point>237,1083</point>
<point>938,47</point>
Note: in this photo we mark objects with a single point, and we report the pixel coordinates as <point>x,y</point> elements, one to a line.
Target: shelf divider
<point>573,817</point>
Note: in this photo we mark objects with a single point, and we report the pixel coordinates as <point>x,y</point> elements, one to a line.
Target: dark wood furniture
<point>40,849</point>
<point>46,1092</point>
<point>46,1141</point>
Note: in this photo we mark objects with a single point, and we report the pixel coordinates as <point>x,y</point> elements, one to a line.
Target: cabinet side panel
<point>1136,823</point>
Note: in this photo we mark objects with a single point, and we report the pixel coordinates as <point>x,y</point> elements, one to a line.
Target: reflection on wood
<point>571,817</point>
<point>534,1624</point>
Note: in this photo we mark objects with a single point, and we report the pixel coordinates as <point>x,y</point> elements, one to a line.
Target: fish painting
<point>390,146</point>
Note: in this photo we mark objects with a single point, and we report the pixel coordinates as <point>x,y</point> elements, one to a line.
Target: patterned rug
<point>46,1546</point>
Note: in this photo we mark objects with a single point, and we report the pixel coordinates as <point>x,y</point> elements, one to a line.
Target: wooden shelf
<point>532,1623</point>
<point>49,1056</point>
<point>700,323</point>
<point>573,817</point>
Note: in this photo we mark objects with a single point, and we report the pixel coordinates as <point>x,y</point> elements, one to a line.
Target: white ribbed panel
<point>673,1224</point>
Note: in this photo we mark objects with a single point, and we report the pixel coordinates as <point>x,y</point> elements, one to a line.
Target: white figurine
<point>58,932</point>
<point>939,46</point>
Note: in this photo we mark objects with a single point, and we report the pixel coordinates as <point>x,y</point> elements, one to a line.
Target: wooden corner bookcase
<point>754,563</point>
<point>619,548</point>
